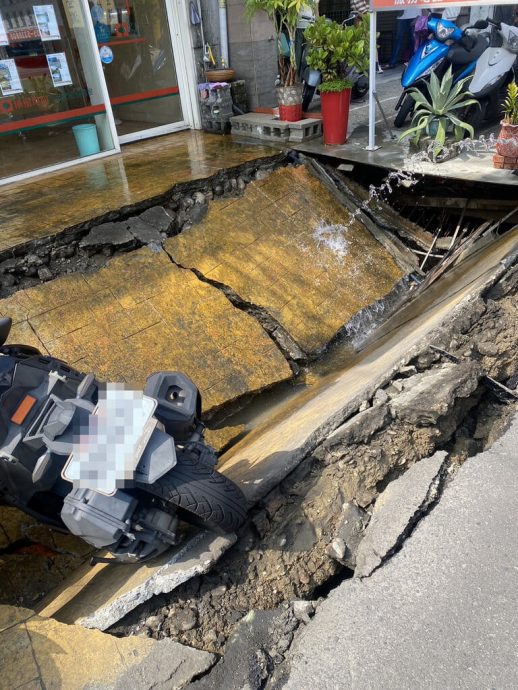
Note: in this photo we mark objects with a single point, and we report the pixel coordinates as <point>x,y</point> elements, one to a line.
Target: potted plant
<point>436,115</point>
<point>336,51</point>
<point>284,15</point>
<point>507,142</point>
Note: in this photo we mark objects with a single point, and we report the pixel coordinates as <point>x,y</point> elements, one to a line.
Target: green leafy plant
<point>511,105</point>
<point>283,14</point>
<point>437,115</point>
<point>336,50</point>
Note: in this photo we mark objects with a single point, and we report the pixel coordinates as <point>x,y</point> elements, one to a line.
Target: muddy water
<point>284,435</point>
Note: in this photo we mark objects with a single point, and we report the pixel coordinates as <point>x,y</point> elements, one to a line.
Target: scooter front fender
<point>491,67</point>
<point>423,61</point>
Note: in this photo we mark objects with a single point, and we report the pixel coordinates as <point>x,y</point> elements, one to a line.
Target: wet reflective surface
<point>50,203</point>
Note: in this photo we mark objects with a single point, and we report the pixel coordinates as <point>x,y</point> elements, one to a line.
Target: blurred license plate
<point>107,453</point>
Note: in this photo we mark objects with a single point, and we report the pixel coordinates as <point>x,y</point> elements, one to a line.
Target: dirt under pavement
<point>301,541</point>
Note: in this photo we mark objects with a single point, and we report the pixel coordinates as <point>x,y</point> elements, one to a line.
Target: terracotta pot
<point>290,103</point>
<point>507,142</point>
<point>335,115</point>
<point>216,75</point>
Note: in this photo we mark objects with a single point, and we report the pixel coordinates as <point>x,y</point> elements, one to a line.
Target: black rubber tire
<point>202,495</point>
<point>307,96</point>
<point>404,111</point>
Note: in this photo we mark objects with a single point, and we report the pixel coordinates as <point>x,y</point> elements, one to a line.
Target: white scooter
<point>494,71</point>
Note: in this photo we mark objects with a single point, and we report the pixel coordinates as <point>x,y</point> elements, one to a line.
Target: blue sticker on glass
<point>106,54</point>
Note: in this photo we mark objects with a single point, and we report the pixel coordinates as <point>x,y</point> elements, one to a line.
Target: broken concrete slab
<point>292,251</point>
<point>157,217</point>
<point>360,428</point>
<point>141,314</point>
<point>168,666</point>
<point>397,511</point>
<point>38,652</point>
<point>142,231</point>
<point>98,596</point>
<point>108,234</point>
<point>441,613</point>
<point>268,454</point>
<point>425,397</point>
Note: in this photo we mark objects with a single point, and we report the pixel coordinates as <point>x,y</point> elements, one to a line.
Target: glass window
<point>52,108</point>
<point>139,68</point>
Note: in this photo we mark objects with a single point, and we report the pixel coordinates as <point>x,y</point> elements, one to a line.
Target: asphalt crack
<point>430,501</point>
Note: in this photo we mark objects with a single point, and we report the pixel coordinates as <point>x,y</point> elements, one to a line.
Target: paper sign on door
<point>59,71</point>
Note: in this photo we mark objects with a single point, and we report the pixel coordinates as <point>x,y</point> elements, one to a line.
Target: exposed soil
<point>301,540</point>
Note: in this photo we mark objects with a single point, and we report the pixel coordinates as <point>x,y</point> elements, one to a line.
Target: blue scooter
<point>448,45</point>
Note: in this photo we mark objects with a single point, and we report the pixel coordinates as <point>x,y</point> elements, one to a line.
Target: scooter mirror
<point>481,24</point>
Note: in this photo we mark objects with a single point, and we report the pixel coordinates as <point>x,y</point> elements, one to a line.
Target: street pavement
<point>443,611</point>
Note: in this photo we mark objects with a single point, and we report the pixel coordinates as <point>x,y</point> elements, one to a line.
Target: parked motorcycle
<point>117,468</point>
<point>311,78</point>
<point>448,46</point>
<point>495,69</point>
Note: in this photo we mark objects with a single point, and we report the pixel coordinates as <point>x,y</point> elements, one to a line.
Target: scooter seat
<point>462,55</point>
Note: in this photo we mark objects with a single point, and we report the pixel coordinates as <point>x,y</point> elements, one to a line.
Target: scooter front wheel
<point>404,111</point>
<point>201,495</point>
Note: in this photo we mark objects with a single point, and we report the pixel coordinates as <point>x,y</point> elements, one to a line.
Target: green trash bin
<point>86,139</point>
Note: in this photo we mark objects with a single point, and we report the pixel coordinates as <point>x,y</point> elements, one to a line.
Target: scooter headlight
<point>443,32</point>
<point>512,43</point>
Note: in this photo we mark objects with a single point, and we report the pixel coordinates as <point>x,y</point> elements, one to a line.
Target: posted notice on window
<point>4,41</point>
<point>59,71</point>
<point>9,78</point>
<point>47,23</point>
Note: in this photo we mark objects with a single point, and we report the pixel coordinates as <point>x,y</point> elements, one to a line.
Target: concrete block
<point>260,126</point>
<point>304,130</point>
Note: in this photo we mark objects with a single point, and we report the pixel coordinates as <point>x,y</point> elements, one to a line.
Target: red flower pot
<point>507,142</point>
<point>335,115</point>
<point>290,103</point>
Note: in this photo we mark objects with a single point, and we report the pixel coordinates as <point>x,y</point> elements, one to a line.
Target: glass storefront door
<point>52,97</point>
<point>134,40</point>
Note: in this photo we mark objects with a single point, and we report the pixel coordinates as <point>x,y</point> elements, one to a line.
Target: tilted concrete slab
<point>100,595</point>
<point>269,453</point>
<point>141,314</point>
<point>38,652</point>
<point>394,511</point>
<point>290,248</point>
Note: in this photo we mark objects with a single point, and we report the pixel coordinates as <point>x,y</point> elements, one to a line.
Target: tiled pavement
<point>141,314</point>
<point>289,247</point>
<point>46,205</point>
<point>41,654</point>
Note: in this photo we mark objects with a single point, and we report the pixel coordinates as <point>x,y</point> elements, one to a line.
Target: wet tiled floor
<point>141,314</point>
<point>50,203</point>
<point>289,247</point>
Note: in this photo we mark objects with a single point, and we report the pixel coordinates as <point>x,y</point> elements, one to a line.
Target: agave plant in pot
<point>436,116</point>
<point>336,51</point>
<point>284,16</point>
<point>507,142</point>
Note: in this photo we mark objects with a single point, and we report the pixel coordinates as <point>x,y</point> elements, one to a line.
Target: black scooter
<point>117,468</point>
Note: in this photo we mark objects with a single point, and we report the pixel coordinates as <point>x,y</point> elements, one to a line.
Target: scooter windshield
<point>107,452</point>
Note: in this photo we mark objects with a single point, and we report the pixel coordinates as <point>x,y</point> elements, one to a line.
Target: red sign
<point>25,34</point>
<point>428,4</point>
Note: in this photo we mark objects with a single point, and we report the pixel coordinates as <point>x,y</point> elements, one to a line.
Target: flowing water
<point>369,327</point>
